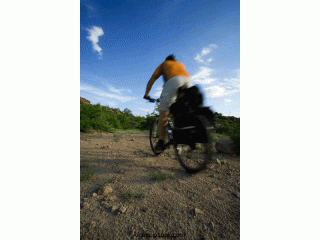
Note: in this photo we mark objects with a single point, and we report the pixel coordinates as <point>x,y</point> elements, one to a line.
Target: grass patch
<point>116,138</point>
<point>216,137</point>
<point>84,165</point>
<point>99,185</point>
<point>160,176</point>
<point>86,175</point>
<point>168,154</point>
<point>131,131</point>
<point>142,153</point>
<point>132,194</point>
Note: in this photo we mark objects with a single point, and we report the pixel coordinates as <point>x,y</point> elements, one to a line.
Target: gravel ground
<point>122,198</point>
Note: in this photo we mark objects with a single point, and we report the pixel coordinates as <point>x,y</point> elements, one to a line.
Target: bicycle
<point>190,132</point>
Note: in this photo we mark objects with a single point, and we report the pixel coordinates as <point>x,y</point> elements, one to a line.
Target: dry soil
<point>205,205</point>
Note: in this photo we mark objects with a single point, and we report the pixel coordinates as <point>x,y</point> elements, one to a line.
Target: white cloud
<point>203,76</point>
<point>218,91</point>
<point>216,87</point>
<point>94,34</point>
<point>198,58</point>
<point>204,52</point>
<point>99,93</point>
<point>215,91</point>
<point>145,110</point>
<point>112,89</point>
<point>203,73</point>
<point>238,73</point>
<point>158,91</point>
<point>232,82</point>
<point>119,91</point>
<point>142,112</point>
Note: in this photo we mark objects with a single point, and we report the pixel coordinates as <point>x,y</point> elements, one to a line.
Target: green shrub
<point>159,176</point>
<point>85,123</point>
<point>236,139</point>
<point>102,118</point>
<point>86,175</point>
<point>132,194</point>
<point>97,117</point>
<point>93,117</point>
<point>116,122</point>
<point>229,126</point>
<point>145,125</point>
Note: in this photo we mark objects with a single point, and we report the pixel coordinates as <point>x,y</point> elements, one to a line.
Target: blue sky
<point>122,43</point>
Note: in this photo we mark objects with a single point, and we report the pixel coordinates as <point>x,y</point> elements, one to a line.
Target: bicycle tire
<point>154,136</point>
<point>187,156</point>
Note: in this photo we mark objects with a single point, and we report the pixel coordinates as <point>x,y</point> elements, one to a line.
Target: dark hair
<point>171,57</point>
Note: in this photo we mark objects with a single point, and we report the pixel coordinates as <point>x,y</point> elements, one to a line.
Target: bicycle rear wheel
<point>154,136</point>
<point>195,156</point>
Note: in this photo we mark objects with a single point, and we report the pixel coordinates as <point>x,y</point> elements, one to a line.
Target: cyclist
<point>174,76</point>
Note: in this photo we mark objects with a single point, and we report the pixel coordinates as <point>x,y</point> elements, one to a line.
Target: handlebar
<point>152,99</point>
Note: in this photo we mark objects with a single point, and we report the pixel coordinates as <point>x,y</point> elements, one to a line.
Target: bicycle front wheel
<point>195,155</point>
<point>154,136</point>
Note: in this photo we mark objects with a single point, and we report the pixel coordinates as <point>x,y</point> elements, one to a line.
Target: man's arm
<point>157,73</point>
<point>150,83</point>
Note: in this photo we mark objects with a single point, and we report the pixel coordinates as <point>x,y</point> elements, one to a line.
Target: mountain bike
<point>191,135</point>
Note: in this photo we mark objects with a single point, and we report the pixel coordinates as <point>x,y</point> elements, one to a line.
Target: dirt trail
<point>200,206</point>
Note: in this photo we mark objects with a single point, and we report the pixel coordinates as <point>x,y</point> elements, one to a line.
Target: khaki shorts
<point>169,92</point>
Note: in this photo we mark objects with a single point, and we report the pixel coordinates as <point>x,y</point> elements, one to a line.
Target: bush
<point>85,123</point>
<point>229,126</point>
<point>93,117</point>
<point>236,139</point>
<point>113,120</point>
<point>104,118</point>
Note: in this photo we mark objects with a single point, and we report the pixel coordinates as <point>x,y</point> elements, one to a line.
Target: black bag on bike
<point>188,100</point>
<point>185,129</point>
<point>189,130</point>
<point>208,113</point>
<point>188,104</point>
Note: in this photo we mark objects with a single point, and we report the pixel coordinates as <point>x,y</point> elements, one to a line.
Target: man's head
<point>171,57</point>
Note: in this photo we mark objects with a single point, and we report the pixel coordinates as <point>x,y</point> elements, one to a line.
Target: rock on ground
<point>197,211</point>
<point>105,190</point>
<point>86,205</point>
<point>218,162</point>
<point>114,208</point>
<point>110,198</point>
<point>226,146</point>
<point>122,209</point>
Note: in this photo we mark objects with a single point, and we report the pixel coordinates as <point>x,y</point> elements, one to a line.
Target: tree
<point>127,111</point>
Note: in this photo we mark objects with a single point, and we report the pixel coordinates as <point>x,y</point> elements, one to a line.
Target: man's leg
<point>163,123</point>
<point>168,96</point>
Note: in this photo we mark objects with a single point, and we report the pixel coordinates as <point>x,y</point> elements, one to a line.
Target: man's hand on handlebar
<point>150,99</point>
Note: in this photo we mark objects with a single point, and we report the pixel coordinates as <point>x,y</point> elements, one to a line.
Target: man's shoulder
<point>171,62</point>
